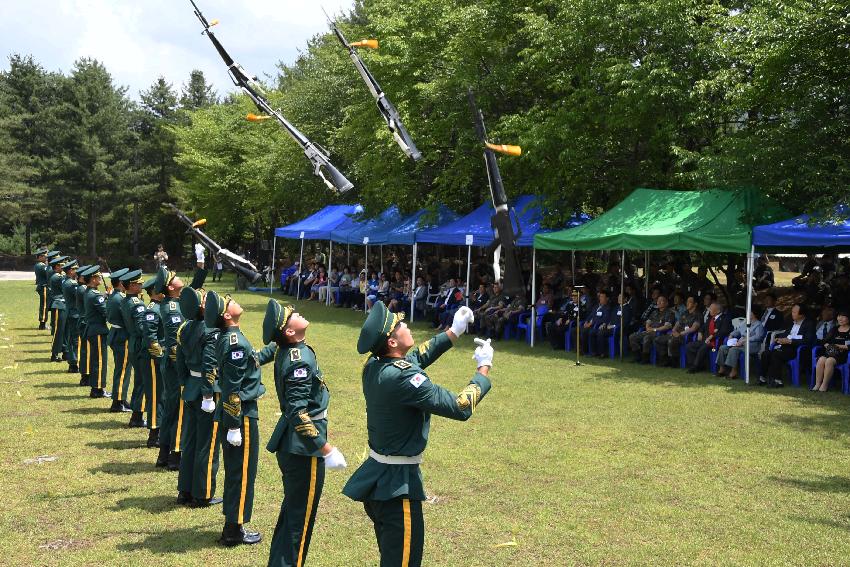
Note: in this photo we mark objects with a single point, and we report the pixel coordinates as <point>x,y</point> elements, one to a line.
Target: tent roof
<point>652,219</point>
<point>407,230</point>
<point>319,225</point>
<point>798,233</point>
<point>354,233</point>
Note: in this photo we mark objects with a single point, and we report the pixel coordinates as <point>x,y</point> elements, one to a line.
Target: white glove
<point>483,353</point>
<point>208,405</point>
<point>334,460</point>
<point>234,437</point>
<point>463,318</point>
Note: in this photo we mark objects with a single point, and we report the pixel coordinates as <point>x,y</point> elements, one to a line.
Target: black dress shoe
<point>73,369</point>
<point>174,461</point>
<point>162,457</point>
<point>42,327</point>
<point>235,534</point>
<point>153,438</point>
<point>117,406</point>
<point>185,499</point>
<point>777,384</point>
<point>84,380</point>
<point>206,502</point>
<point>136,420</point>
<point>125,407</point>
<point>762,381</point>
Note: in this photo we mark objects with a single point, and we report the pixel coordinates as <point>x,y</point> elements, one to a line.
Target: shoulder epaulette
<point>402,364</point>
<point>294,354</point>
<point>234,338</point>
<point>136,300</point>
<point>172,305</point>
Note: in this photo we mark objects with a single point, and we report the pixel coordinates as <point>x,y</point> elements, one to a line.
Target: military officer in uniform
<point>300,437</point>
<point>241,386</point>
<point>51,255</point>
<point>79,301</point>
<point>400,398</point>
<point>131,308</point>
<point>41,276</point>
<point>72,315</point>
<point>57,321</point>
<point>117,341</point>
<point>197,370</point>
<point>96,332</point>
<point>151,355</point>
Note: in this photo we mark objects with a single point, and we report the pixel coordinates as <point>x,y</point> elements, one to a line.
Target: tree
<point>197,93</point>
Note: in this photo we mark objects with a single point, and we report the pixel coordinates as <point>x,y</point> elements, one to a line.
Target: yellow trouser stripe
<point>55,322</point>
<point>79,346</point>
<point>121,378</point>
<point>311,494</point>
<point>246,449</point>
<point>88,361</point>
<point>101,379</point>
<point>179,421</point>
<point>405,553</point>
<point>153,395</point>
<point>43,304</point>
<point>210,460</point>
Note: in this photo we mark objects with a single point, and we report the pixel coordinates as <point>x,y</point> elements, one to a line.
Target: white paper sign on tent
<point>469,240</point>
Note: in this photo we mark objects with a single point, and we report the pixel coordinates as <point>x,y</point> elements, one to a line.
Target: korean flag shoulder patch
<point>149,317</point>
<point>418,380</point>
<point>101,299</point>
<point>237,355</point>
<point>300,373</point>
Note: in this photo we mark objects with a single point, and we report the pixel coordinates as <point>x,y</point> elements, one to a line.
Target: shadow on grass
<point>829,425</point>
<point>69,384</point>
<point>99,425</point>
<point>119,444</point>
<point>837,484</point>
<point>155,503</point>
<point>60,367</point>
<point>61,397</point>
<point>87,411</point>
<point>843,524</point>
<point>175,541</point>
<point>121,468</point>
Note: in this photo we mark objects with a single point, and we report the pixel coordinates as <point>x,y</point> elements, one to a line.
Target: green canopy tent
<point>713,220</point>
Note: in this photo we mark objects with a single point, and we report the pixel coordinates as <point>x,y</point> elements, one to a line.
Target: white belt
<point>195,373</point>
<point>396,459</point>
<point>114,326</point>
<point>317,417</point>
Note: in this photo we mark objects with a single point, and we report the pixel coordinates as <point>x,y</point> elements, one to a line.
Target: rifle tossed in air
<point>505,235</point>
<point>322,167</point>
<point>385,107</point>
<point>237,262</point>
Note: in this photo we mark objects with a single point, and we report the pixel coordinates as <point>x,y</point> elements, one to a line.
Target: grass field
<point>603,464</point>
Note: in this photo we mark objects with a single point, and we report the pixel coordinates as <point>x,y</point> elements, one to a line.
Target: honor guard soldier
<point>197,369</point>
<point>48,272</point>
<point>241,386</point>
<point>57,307</point>
<point>151,356</point>
<point>79,301</point>
<point>400,399</point>
<point>96,332</point>
<point>41,276</point>
<point>131,308</point>
<point>72,315</point>
<point>117,341</point>
<point>300,437</point>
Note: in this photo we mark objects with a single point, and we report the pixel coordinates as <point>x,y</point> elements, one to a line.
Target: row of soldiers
<point>196,382</point>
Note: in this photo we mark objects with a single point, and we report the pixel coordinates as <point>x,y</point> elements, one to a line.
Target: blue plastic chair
<point>755,365</point>
<point>794,364</point>
<point>568,336</point>
<point>523,326</point>
<point>653,355</point>
<point>712,356</point>
<point>843,369</point>
<point>689,338</point>
<point>614,342</point>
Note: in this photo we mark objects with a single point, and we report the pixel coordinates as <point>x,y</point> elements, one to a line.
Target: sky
<point>139,40</point>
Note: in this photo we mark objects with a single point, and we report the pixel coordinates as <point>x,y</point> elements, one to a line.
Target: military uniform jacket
<point>41,275</point>
<point>117,332</point>
<point>69,293</point>
<point>303,396</point>
<point>496,302</point>
<point>658,318</point>
<point>133,314</point>
<point>153,324</point>
<point>56,296</point>
<point>601,315</point>
<point>686,321</point>
<point>80,300</point>
<point>96,315</point>
<point>170,320</point>
<point>400,399</point>
<point>240,378</point>
<point>196,364</point>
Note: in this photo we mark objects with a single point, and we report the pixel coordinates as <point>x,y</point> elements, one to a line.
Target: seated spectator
<point>717,329</point>
<point>286,276</point>
<point>834,354</point>
<point>667,346</point>
<point>707,300</point>
<point>452,302</point>
<point>371,291</point>
<point>319,281</point>
<point>728,354</point>
<point>556,321</point>
<point>331,287</point>
<point>383,288</point>
<point>420,295</point>
<point>679,307</point>
<point>772,319</point>
<point>595,328</point>
<point>359,287</point>
<point>824,324</point>
<point>345,290</point>
<point>479,298</point>
<point>763,274</point>
<point>660,319</point>
<point>799,332</point>
<point>650,307</point>
<point>508,316</point>
<point>546,298</point>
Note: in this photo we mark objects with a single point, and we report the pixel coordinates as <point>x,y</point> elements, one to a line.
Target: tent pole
<point>646,273</point>
<point>750,261</point>
<point>622,301</point>
<point>382,258</point>
<point>413,284</point>
<point>271,282</point>
<point>533,320</point>
<point>366,271</point>
<point>468,270</point>
<point>330,267</point>
<point>300,266</point>
<point>348,254</point>
<point>573,264</point>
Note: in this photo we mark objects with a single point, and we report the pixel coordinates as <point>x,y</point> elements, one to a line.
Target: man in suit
<point>597,324</point>
<point>718,327</point>
<point>799,332</point>
<point>772,318</point>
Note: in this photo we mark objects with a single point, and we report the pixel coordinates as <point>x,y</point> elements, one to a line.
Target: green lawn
<point>606,463</point>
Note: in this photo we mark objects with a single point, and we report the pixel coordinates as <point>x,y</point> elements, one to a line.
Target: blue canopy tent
<point>804,232</point>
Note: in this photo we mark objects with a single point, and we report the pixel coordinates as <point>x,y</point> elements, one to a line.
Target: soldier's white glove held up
<point>208,405</point>
<point>483,353</point>
<point>463,318</point>
<point>334,460</point>
<point>234,437</point>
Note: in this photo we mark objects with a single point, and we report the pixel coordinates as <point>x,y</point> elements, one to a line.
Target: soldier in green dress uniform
<point>41,276</point>
<point>57,306</point>
<point>117,341</point>
<point>197,371</point>
<point>48,271</point>
<point>400,399</point>
<point>300,437</point>
<point>79,301</point>
<point>72,315</point>
<point>151,355</point>
<point>241,385</point>
<point>132,307</point>
<point>96,332</point>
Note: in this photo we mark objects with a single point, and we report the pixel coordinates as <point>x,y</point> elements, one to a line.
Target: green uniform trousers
<point>82,347</point>
<point>240,471</point>
<point>152,385</point>
<point>58,326</point>
<point>137,397</point>
<point>399,529</point>
<point>52,320</point>
<point>303,479</point>
<point>42,303</point>
<point>73,339</point>
<point>200,448</point>
<point>121,371</point>
<point>97,357</point>
<point>171,428</point>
